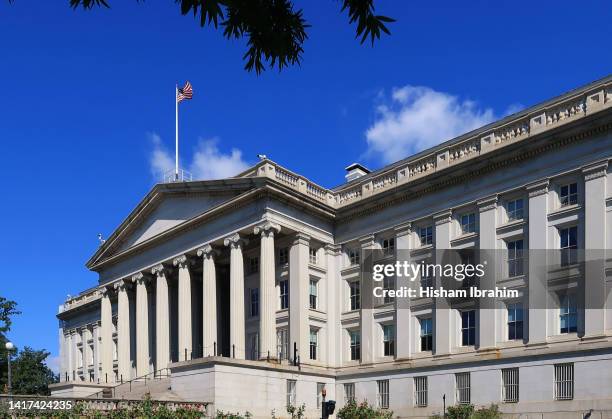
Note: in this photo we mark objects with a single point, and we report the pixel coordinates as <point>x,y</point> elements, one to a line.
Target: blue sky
<point>87,111</point>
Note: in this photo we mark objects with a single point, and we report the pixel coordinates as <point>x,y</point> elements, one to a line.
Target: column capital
<point>140,278</point>
<point>181,261</point>
<point>121,285</point>
<point>160,269</point>
<point>106,291</point>
<point>207,252</point>
<point>537,188</point>
<point>442,217</point>
<point>266,228</point>
<point>487,204</point>
<point>301,238</point>
<point>235,241</point>
<point>595,170</point>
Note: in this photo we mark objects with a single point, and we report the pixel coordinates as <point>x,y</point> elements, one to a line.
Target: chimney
<point>355,171</point>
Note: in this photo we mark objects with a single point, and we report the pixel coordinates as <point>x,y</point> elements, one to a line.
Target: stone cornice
<point>595,170</point>
<point>333,249</point>
<point>301,238</point>
<point>367,242</point>
<point>537,188</point>
<point>443,217</point>
<point>403,229</point>
<point>487,204</point>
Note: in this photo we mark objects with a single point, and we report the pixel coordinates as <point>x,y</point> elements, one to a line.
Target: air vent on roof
<point>355,171</point>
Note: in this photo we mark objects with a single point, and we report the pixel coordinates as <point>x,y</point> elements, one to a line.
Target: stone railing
<point>535,121</point>
<point>80,300</point>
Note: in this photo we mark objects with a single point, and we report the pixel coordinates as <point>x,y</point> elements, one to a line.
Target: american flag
<point>185,93</point>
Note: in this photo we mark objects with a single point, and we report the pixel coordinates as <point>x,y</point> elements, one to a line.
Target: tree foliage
<point>30,373</point>
<point>8,309</point>
<point>274,30</point>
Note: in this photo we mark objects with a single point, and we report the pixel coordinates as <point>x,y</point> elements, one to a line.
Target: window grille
<point>349,393</point>
<point>564,381</point>
<point>291,392</point>
<point>420,391</point>
<point>462,383</point>
<point>510,385</point>
<point>383,394</point>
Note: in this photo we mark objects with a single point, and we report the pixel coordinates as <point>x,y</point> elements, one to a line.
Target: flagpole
<point>176,162</point>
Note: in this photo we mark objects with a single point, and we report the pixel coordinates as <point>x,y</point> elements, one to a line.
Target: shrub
<point>363,410</point>
<point>467,411</point>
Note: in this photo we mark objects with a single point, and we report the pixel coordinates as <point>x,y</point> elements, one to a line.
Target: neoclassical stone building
<point>230,283</point>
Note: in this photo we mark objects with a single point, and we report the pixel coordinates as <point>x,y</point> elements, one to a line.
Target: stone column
<point>442,332</point>
<point>69,355</point>
<point>237,344</point>
<point>368,246</point>
<point>184,308</point>
<point>403,325</point>
<point>538,245</point>
<point>209,300</point>
<point>162,317</point>
<point>595,234</point>
<point>267,290</point>
<point>96,351</point>
<point>142,324</point>
<point>299,328</point>
<point>106,316</point>
<point>487,324</point>
<point>123,332</point>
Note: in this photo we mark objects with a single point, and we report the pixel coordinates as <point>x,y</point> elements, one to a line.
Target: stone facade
<point>232,283</point>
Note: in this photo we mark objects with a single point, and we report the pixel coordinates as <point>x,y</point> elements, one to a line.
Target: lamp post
<point>9,348</point>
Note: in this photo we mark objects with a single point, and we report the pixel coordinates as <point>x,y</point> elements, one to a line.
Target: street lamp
<point>9,348</point>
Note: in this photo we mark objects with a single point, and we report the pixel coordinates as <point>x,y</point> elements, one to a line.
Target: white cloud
<point>208,162</point>
<point>416,117</point>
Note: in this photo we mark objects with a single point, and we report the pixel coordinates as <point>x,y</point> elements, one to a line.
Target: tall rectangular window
<point>320,388</point>
<point>355,345</point>
<point>564,381</point>
<point>282,343</point>
<point>515,258</point>
<point>388,339</point>
<point>283,256</point>
<point>382,396</point>
<point>253,342</point>
<point>468,223</point>
<point>284,294</point>
<point>463,386</point>
<point>426,235</point>
<point>515,321</point>
<point>468,327</point>
<point>569,244</point>
<point>349,393</point>
<point>568,194</point>
<point>355,290</point>
<point>388,246</point>
<point>427,278</point>
<point>313,343</point>
<point>312,252</point>
<point>388,283</point>
<point>510,385</point>
<point>568,314</point>
<point>514,209</point>
<point>313,294</point>
<point>426,334</point>
<point>420,391</point>
<point>291,392</point>
<point>254,302</point>
<point>253,265</point>
<point>354,256</point>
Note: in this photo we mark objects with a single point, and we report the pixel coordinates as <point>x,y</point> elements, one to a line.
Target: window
<point>420,391</point>
<point>515,321</point>
<point>313,255</point>
<point>313,343</point>
<point>515,258</point>
<point>467,259</point>
<point>514,209</point>
<point>510,385</point>
<point>253,265</point>
<point>320,388</point>
<point>426,235</point>
<point>569,244</point>
<point>253,341</point>
<point>468,223</point>
<point>382,396</point>
<point>426,334</point>
<point>388,339</point>
<point>115,352</point>
<point>349,393</point>
<point>564,381</point>
<point>354,256</point>
<point>284,294</point>
<point>462,383</point>
<point>355,295</point>
<point>313,294</point>
<point>568,317</point>
<point>388,283</point>
<point>283,256</point>
<point>568,194</point>
<point>90,353</point>
<point>388,246</point>
<point>468,327</point>
<point>282,343</point>
<point>254,302</point>
<point>291,392</point>
<point>355,345</point>
<point>427,278</point>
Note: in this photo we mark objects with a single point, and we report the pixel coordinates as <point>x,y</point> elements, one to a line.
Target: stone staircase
<point>156,384</point>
